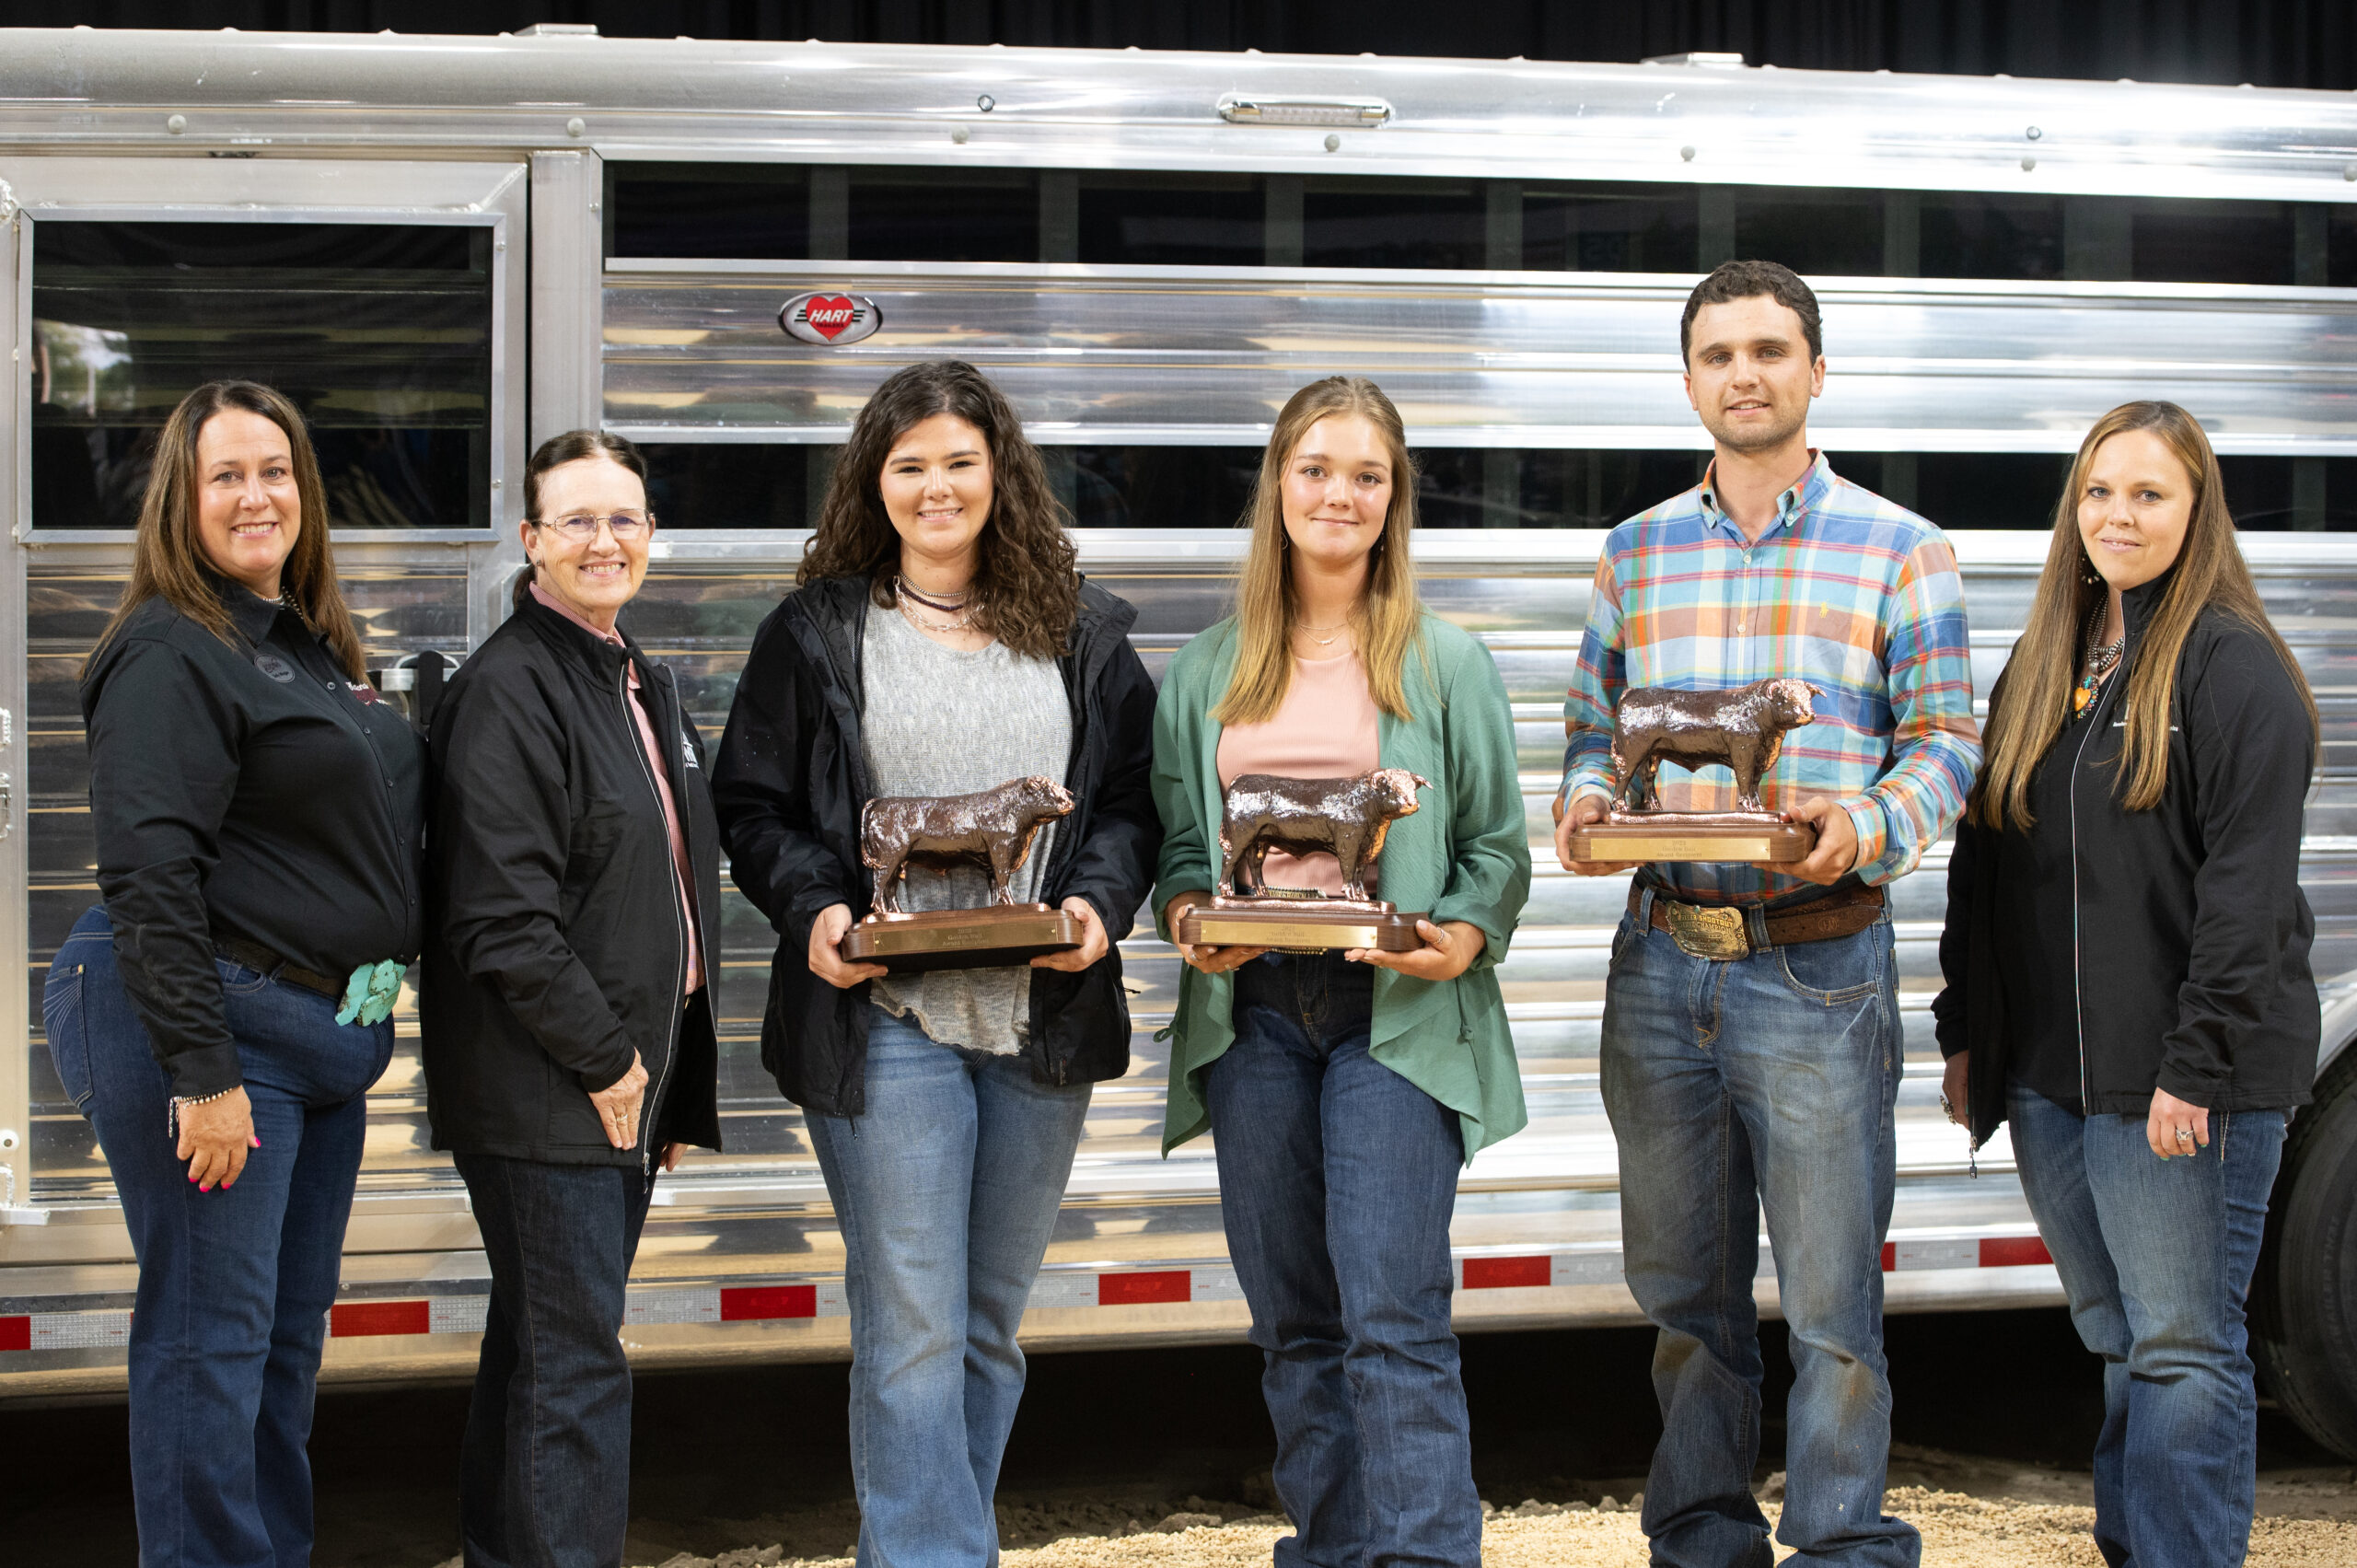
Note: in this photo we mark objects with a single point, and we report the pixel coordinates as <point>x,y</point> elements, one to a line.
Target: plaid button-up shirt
<point>1856,595</point>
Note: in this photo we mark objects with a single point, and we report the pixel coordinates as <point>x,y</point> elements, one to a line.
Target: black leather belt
<point>1723,931</point>
<point>262,961</point>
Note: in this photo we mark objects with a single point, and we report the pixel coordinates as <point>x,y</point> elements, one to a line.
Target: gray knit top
<point>937,721</point>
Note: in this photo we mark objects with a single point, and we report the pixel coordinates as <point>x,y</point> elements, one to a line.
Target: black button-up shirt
<point>245,791</point>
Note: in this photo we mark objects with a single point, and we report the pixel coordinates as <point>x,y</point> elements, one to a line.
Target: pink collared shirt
<point>654,764</point>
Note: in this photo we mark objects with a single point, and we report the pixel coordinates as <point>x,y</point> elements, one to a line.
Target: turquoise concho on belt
<point>369,994</point>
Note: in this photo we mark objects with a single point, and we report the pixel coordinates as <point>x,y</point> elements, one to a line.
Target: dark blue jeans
<point>234,1283</point>
<point>544,1472</point>
<point>1337,1178</point>
<point>1765,1081</point>
<point>2156,1257</point>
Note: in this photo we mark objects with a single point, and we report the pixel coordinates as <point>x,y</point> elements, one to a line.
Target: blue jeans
<point>234,1283</point>
<point>544,1470</point>
<point>946,1192</point>
<point>1765,1081</point>
<point>2156,1257</point>
<point>1337,1178</point>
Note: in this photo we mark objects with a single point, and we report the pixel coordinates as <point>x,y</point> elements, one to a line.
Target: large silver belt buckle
<point>1708,933</point>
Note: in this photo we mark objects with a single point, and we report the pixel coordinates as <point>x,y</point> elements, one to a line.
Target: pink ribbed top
<point>1324,729</point>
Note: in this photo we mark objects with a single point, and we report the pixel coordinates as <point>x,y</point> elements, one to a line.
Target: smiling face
<point>936,485</point>
<point>594,577</point>
<point>1337,491</point>
<point>1749,374</point>
<point>248,511</point>
<point>2134,507</point>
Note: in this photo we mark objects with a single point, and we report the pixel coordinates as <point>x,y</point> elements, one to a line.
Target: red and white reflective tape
<point>1602,1266</point>
<point>788,1301</point>
<point>66,1330</point>
<point>1134,1287</point>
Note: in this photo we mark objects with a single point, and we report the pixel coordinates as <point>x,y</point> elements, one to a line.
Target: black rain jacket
<point>2193,935</point>
<point>555,946</point>
<point>790,783</point>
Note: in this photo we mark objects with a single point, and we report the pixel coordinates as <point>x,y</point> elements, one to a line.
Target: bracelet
<point>172,1111</point>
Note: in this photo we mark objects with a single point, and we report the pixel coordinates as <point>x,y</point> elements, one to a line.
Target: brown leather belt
<point>1722,931</point>
<point>262,961</point>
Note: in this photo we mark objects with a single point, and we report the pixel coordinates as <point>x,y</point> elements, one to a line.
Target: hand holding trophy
<point>1742,729</point>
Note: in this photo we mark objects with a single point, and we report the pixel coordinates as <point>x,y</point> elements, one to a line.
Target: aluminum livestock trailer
<point>449,248</point>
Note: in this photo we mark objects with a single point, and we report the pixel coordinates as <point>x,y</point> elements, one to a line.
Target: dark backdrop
<point>2286,44</point>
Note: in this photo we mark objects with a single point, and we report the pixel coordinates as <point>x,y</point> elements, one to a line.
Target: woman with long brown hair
<point>940,643</point>
<point>2127,961</point>
<point>221,1015</point>
<point>1346,1090</point>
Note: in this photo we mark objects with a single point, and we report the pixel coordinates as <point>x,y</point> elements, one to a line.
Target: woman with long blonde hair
<point>2127,961</point>
<point>1348,1089</point>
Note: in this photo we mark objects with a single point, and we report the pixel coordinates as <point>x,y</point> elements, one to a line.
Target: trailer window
<point>703,485</point>
<point>1609,229</point>
<point>1394,223</point>
<point>1179,220</point>
<point>1968,233</point>
<point>754,211</point>
<point>923,214</point>
<point>2199,242</point>
<point>379,332</point>
<point>1817,232</point>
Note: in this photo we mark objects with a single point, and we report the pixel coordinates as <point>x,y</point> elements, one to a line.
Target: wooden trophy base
<point>1300,926</point>
<point>961,939</point>
<point>1757,838</point>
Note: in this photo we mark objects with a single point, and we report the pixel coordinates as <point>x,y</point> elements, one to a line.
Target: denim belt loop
<point>1755,925</point>
<point>1645,910</point>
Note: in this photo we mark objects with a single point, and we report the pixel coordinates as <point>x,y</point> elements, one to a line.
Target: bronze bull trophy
<point>1347,817</point>
<point>1742,730</point>
<point>991,830</point>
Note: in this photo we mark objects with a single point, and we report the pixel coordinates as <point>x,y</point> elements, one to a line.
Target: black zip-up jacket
<point>556,945</point>
<point>792,779</point>
<point>2192,934</point>
<point>244,790</point>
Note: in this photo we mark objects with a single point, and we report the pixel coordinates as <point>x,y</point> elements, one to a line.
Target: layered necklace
<point>957,607</point>
<point>2101,657</point>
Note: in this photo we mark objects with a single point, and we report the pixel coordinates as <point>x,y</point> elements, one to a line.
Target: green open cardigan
<point>1463,855</point>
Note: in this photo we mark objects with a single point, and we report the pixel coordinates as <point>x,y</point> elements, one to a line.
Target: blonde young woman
<point>1347,1089</point>
<point>2127,961</point>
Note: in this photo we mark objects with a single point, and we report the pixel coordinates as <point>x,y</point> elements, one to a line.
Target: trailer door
<point>386,300</point>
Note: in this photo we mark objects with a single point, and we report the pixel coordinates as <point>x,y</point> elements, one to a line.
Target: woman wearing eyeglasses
<point>573,884</point>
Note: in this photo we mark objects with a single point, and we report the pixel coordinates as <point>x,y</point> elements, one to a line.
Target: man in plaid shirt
<point>1751,1041</point>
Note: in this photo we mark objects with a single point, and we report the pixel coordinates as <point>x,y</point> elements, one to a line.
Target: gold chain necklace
<point>1337,629</point>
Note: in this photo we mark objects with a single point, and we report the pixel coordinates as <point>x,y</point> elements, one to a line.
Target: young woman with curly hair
<point>939,643</point>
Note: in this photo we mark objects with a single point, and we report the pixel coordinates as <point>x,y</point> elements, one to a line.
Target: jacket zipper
<point>1079,776</point>
<point>2078,991</point>
<point>679,918</point>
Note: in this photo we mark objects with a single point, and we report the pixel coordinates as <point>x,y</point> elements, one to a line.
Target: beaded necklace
<point>2101,657</point>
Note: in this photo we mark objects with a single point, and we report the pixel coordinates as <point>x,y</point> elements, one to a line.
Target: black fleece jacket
<point>2189,955</point>
<point>790,782</point>
<point>555,947</point>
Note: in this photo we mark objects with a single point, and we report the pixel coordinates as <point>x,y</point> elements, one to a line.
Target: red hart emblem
<point>829,319</point>
<point>830,314</point>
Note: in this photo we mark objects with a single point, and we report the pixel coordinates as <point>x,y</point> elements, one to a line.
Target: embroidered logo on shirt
<point>688,747</point>
<point>277,669</point>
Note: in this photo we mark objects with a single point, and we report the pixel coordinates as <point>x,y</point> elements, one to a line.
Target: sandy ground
<point>1973,1514</point>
